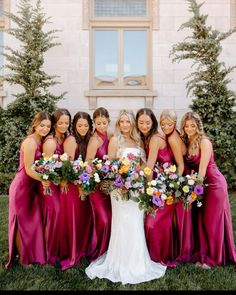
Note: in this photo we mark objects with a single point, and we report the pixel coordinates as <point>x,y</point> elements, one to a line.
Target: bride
<point>127,259</point>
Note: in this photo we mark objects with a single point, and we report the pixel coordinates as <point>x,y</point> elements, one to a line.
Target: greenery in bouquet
<point>87,178</point>
<point>47,168</point>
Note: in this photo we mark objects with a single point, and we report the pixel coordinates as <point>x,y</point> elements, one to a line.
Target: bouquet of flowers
<point>190,190</point>
<point>87,177</point>
<point>67,172</point>
<point>123,177</point>
<point>47,168</point>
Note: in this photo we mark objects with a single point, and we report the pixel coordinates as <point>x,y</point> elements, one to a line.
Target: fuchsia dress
<point>75,225</point>
<point>213,232</point>
<point>51,217</point>
<point>101,211</point>
<point>25,215</point>
<point>169,234</point>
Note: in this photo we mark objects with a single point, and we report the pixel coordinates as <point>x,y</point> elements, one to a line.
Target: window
<point>120,47</point>
<point>233,13</point>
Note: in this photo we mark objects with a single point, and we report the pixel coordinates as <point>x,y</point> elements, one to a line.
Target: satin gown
<point>101,212</point>
<point>75,225</point>
<point>213,232</point>
<point>127,259</point>
<point>25,216</point>
<point>169,234</point>
<point>51,217</point>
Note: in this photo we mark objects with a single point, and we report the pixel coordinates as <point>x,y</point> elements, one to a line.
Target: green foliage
<point>25,67</point>
<point>208,83</point>
<point>184,277</point>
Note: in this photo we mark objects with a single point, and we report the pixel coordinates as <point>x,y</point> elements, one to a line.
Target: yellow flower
<point>149,191</point>
<point>125,168</point>
<point>99,166</point>
<point>147,171</point>
<point>169,200</point>
<point>186,188</point>
<point>172,168</point>
<point>125,162</point>
<point>193,195</point>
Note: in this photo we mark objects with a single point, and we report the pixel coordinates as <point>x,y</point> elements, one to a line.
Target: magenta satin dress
<point>213,232</point>
<point>75,226</point>
<point>169,233</point>
<point>51,217</point>
<point>25,215</point>
<point>101,211</point>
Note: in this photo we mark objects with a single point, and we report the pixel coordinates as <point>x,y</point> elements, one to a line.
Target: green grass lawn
<point>183,277</point>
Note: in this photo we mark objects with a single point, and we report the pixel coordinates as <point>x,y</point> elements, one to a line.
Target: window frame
<point>121,24</point>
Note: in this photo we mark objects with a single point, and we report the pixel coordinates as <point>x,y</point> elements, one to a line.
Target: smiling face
<point>43,127</point>
<point>101,124</point>
<point>125,124</point>
<point>82,126</point>
<point>62,124</point>
<point>167,126</point>
<point>144,124</point>
<point>190,128</point>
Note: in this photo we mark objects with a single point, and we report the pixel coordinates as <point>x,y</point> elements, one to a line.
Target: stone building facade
<point>115,53</point>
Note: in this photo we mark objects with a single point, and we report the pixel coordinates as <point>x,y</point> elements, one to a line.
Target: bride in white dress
<point>127,259</point>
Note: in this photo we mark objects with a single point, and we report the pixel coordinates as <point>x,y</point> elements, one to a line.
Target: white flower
<point>55,156</point>
<point>141,173</point>
<point>191,182</point>
<point>64,157</point>
<point>163,196</point>
<point>199,204</point>
<point>153,182</point>
<point>96,177</point>
<point>45,176</point>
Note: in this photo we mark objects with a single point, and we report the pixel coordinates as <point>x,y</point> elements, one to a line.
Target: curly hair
<point>200,131</point>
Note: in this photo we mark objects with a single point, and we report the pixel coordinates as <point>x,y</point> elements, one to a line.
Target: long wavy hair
<point>134,134</point>
<point>38,118</point>
<point>148,112</point>
<point>82,141</point>
<point>200,131</point>
<point>56,116</point>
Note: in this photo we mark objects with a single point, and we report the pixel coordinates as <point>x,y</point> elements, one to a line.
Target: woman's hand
<point>64,186</point>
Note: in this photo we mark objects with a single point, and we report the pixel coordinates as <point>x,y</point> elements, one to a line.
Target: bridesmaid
<point>164,232</point>
<point>213,232</point>
<point>25,227</point>
<point>76,215</point>
<point>53,144</point>
<point>100,202</point>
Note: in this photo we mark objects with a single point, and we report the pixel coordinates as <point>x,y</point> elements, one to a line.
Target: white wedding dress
<point>127,259</point>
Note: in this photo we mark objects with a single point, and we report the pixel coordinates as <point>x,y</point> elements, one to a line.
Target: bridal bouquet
<point>48,168</point>
<point>126,179</point>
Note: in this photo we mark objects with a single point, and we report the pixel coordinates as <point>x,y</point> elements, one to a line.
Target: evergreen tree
<point>25,67</point>
<point>208,83</point>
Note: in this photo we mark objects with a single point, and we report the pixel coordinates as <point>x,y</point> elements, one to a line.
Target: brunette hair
<point>101,112</point>
<point>82,141</point>
<point>56,116</point>
<point>148,112</point>
<point>38,118</point>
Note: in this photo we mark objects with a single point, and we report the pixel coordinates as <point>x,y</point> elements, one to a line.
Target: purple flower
<point>198,189</point>
<point>118,182</point>
<point>84,176</point>
<point>105,169</point>
<point>158,201</point>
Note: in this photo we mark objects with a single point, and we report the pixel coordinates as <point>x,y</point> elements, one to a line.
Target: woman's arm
<point>69,147</point>
<point>176,148</point>
<point>154,146</point>
<point>49,147</point>
<point>206,151</point>
<point>92,148</point>
<point>29,147</point>
<point>112,148</point>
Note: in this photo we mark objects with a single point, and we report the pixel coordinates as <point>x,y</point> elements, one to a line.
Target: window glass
<point>106,57</point>
<point>135,58</point>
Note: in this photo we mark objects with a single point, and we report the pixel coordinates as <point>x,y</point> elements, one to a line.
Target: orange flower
<point>169,200</point>
<point>193,196</point>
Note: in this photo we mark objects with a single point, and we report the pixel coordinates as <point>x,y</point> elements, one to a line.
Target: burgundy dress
<point>75,225</point>
<point>213,232</point>
<point>25,216</point>
<point>51,217</point>
<point>169,233</point>
<point>101,211</point>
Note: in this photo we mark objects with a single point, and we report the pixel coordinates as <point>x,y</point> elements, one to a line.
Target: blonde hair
<point>38,118</point>
<point>168,114</point>
<point>134,134</point>
<point>200,131</point>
